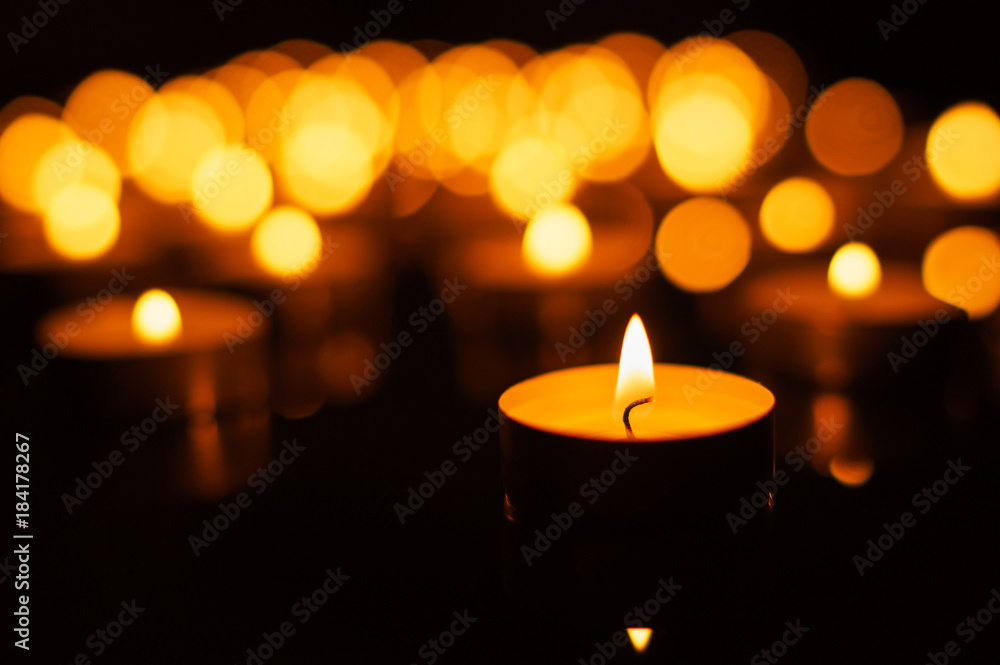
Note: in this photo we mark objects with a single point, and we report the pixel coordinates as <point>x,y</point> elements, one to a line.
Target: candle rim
<point>763,404</point>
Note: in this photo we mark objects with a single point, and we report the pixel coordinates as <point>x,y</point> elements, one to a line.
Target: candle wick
<point>628,427</point>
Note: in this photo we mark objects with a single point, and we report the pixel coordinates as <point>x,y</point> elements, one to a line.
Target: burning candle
<point>170,348</point>
<point>529,287</point>
<point>835,325</point>
<point>324,285</point>
<point>612,472</point>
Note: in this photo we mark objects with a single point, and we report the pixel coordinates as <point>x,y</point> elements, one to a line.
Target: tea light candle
<point>629,470</point>
<point>529,286</point>
<point>842,322</point>
<point>170,348</point>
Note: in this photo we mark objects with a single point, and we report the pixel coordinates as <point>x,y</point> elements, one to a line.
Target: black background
<point>335,507</point>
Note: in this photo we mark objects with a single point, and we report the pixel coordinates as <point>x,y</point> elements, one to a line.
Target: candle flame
<point>855,271</point>
<point>557,240</point>
<point>635,373</point>
<point>156,318</point>
<point>640,638</point>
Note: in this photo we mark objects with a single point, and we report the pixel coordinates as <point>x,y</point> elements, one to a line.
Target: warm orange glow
<point>81,222</point>
<point>797,215</point>
<point>639,52</point>
<point>635,374</point>
<point>852,472</point>
<point>362,87</point>
<point>172,133</point>
<point>703,244</point>
<point>592,107</point>
<point>575,402</point>
<point>70,163</point>
<point>217,96</point>
<point>959,267</point>
<point>156,319</point>
<point>963,151</point>
<point>286,241</point>
<point>640,638</point>
<point>268,123</point>
<point>103,108</point>
<point>854,271</point>
<point>529,174</point>
<point>702,139</point>
<point>231,187</point>
<point>325,167</point>
<point>708,102</point>
<point>475,83</point>
<point>23,145</point>
<point>778,60</point>
<point>557,240</point>
<point>857,129</point>
<point>827,408</point>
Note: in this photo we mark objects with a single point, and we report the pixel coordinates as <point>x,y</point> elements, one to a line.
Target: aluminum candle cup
<point>200,409</point>
<point>593,519</point>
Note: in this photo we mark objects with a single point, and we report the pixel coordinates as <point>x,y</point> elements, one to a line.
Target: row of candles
<point>294,173</point>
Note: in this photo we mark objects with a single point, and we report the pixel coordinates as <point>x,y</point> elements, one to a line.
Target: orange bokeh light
<point>703,244</point>
<point>103,108</point>
<point>963,151</point>
<point>857,129</point>
<point>959,268</point>
<point>797,215</point>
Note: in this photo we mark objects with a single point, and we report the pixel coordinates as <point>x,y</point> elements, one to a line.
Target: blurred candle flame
<point>635,373</point>
<point>156,318</point>
<point>855,271</point>
<point>557,240</point>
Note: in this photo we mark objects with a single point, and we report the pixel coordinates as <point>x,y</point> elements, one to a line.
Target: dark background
<point>334,508</point>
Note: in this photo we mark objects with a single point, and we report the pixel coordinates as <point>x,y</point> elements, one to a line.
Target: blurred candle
<point>171,348</point>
